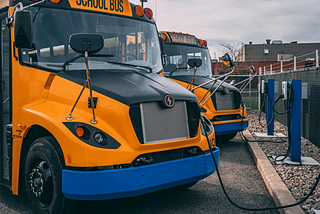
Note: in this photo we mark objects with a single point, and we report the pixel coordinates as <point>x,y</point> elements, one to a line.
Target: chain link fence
<point>310,121</point>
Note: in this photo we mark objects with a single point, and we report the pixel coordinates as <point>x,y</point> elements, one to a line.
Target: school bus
<point>223,108</point>
<point>84,114</point>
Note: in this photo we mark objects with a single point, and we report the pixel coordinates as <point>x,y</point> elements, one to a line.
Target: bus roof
<point>117,7</point>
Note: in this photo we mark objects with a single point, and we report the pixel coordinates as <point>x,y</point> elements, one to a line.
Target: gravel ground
<point>298,179</point>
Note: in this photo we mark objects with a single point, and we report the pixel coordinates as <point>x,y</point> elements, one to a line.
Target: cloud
<point>240,21</point>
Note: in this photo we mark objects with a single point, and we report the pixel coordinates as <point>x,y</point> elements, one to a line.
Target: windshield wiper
<point>131,65</point>
<point>82,55</point>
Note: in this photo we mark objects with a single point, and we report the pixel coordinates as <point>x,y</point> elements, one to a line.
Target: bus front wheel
<point>43,178</point>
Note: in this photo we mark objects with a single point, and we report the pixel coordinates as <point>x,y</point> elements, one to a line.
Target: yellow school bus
<point>223,108</point>
<point>84,114</point>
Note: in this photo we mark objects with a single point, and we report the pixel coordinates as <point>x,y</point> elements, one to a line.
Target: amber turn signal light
<point>139,10</point>
<point>80,131</point>
<point>55,1</point>
<point>22,126</point>
<point>201,42</point>
<point>164,37</point>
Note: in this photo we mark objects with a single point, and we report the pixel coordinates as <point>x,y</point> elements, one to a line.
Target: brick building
<point>277,51</point>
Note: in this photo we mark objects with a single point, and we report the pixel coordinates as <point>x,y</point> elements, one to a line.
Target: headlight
<point>206,126</point>
<point>92,135</point>
<point>98,137</point>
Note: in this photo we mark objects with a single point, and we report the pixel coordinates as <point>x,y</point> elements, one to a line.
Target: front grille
<point>159,157</point>
<point>153,123</point>
<point>162,124</point>
<point>226,101</point>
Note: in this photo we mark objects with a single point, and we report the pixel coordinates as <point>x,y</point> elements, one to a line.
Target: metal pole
<point>259,87</point>
<point>264,70</point>
<point>270,68</point>
<point>269,112</point>
<point>295,122</point>
<point>295,63</point>
<point>317,58</point>
<point>281,66</point>
<point>250,97</point>
<point>156,6</point>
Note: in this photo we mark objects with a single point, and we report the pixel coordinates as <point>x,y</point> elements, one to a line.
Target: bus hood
<point>198,80</point>
<point>130,86</point>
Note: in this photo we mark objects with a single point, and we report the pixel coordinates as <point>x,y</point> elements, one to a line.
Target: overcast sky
<point>239,20</point>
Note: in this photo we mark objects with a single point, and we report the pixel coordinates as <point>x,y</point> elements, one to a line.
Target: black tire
<point>225,137</point>
<point>43,169</point>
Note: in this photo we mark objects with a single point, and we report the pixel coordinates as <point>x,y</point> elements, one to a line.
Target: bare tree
<point>232,48</point>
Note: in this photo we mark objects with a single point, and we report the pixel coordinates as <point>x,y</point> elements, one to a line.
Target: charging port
<point>285,89</point>
<point>264,87</point>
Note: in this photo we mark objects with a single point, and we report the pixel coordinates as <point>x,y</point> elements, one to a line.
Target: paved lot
<point>242,180</point>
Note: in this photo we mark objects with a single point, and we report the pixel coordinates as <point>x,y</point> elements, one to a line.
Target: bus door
<point>5,107</point>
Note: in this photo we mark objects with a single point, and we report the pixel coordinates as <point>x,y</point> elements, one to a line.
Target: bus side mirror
<point>226,60</point>
<point>252,69</point>
<point>23,29</point>
<point>82,42</point>
<point>194,62</point>
<point>169,69</point>
<point>161,42</point>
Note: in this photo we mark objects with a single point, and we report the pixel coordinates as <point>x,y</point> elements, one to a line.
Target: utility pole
<point>156,8</point>
<point>317,59</point>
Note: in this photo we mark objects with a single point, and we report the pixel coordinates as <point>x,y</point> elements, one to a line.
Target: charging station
<point>295,158</point>
<point>267,88</point>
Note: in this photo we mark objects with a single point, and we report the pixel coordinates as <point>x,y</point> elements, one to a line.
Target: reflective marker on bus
<point>224,108</point>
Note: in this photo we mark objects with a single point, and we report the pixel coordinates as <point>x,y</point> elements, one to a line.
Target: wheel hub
<point>38,178</point>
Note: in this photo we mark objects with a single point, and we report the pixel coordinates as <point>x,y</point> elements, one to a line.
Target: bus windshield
<point>179,55</point>
<point>126,40</point>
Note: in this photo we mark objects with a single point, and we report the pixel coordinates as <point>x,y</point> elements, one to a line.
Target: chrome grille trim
<point>160,124</point>
<point>224,101</point>
<point>232,99</point>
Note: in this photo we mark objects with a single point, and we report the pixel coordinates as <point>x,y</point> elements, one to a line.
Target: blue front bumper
<point>121,183</point>
<point>229,128</point>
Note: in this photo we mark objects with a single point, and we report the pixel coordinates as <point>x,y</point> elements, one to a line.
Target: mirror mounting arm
<point>20,7</point>
<point>88,82</point>
<point>86,55</point>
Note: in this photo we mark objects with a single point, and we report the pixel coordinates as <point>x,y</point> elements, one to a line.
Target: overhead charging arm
<point>245,83</point>
<point>226,77</point>
<point>213,80</point>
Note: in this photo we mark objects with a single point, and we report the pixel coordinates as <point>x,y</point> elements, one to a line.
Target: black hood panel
<point>130,86</point>
<point>198,80</point>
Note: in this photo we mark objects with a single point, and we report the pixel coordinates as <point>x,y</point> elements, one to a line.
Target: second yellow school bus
<point>224,108</point>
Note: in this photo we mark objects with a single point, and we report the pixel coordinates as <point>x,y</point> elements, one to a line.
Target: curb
<point>277,189</point>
